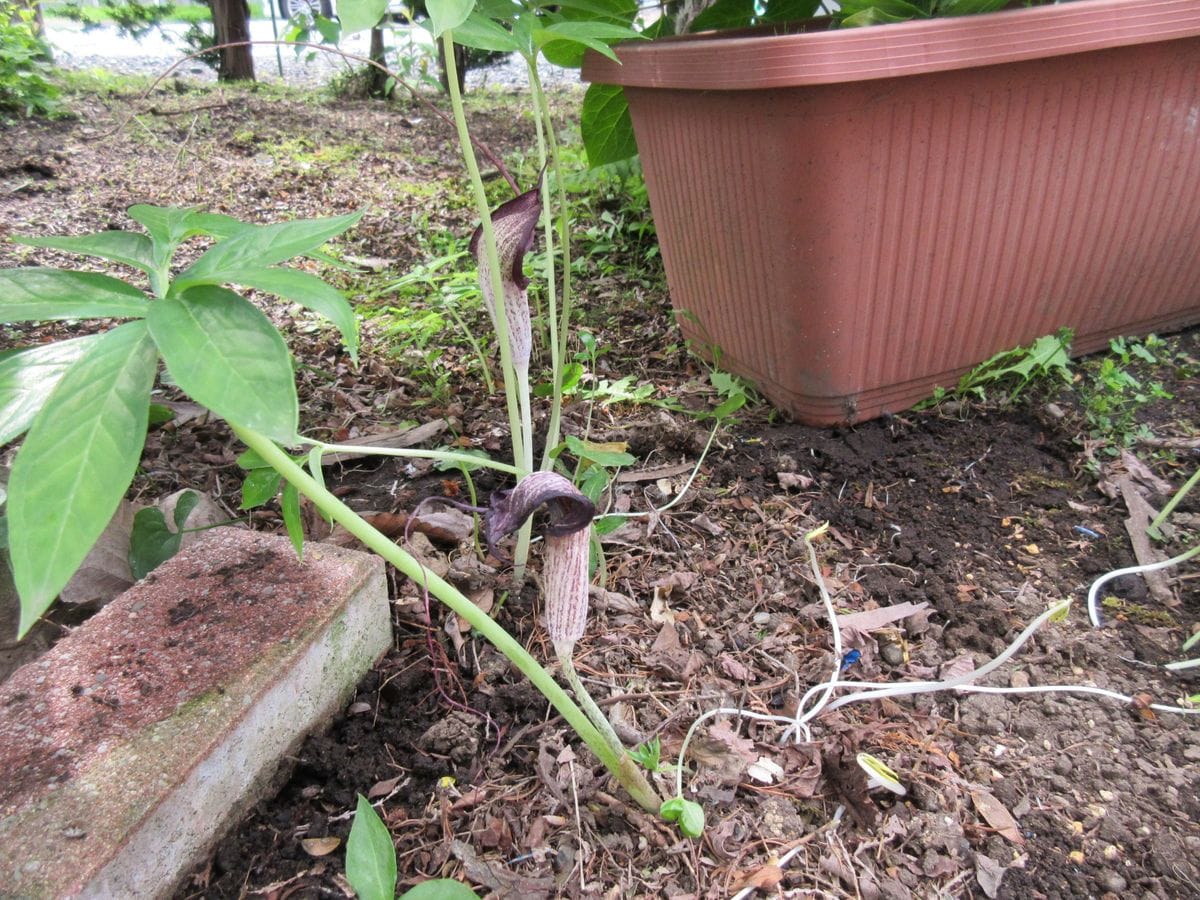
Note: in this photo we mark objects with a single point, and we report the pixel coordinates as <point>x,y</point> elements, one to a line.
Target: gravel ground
<point>104,48</point>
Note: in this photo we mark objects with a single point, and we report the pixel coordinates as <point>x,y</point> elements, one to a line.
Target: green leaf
<point>744,13</point>
<point>453,465</point>
<point>249,459</point>
<point>311,293</point>
<point>482,33</point>
<point>152,543</point>
<point>725,14</point>
<point>259,487</point>
<point>28,376</point>
<point>610,459</point>
<point>225,354</point>
<point>440,889</point>
<point>77,462</point>
<point>447,14</point>
<point>289,506</point>
<point>160,414</point>
<point>596,35</point>
<point>370,855</point>
<point>217,225</point>
<point>167,224</point>
<point>360,15</point>
<point>118,246</point>
<point>606,126</point>
<point>40,294</point>
<point>969,7</point>
<point>168,227</point>
<point>258,246</point>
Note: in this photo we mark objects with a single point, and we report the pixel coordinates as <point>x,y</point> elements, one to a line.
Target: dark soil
<point>987,512</point>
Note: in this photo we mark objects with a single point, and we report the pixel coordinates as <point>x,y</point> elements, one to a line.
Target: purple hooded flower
<point>514,224</point>
<point>565,571</point>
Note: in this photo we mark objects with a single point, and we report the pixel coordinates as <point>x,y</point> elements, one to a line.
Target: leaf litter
<point>710,604</point>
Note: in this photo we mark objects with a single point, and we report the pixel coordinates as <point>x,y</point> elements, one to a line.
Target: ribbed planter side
<point>850,246</point>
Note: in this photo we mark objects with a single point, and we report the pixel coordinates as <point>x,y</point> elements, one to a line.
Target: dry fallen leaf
<point>764,878</point>
<point>997,816</point>
<point>321,846</point>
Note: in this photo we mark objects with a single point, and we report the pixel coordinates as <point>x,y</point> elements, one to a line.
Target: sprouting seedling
<point>879,775</point>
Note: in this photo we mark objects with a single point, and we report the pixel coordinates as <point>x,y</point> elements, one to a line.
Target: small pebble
<point>1111,881</point>
<point>892,654</point>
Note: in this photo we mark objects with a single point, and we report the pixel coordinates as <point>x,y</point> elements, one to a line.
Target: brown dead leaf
<point>997,816</point>
<point>735,669</point>
<point>484,598</point>
<point>104,572</point>
<point>321,846</point>
<point>764,878</point>
<point>382,788</point>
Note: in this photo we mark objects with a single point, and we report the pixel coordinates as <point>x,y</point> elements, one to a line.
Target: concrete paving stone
<point>131,745</point>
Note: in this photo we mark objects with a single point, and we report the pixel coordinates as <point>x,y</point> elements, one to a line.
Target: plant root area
<point>980,515</point>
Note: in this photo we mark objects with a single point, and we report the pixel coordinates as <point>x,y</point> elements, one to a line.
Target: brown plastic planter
<point>854,217</point>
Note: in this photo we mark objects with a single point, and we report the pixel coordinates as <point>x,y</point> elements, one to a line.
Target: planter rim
<point>709,61</point>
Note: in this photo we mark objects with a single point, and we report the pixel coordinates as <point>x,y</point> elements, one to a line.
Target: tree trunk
<point>461,62</point>
<point>377,78</point>
<point>231,23</point>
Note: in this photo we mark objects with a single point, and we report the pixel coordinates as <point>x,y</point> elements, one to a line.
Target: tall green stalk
<point>619,764</point>
<point>560,320</point>
<point>522,442</point>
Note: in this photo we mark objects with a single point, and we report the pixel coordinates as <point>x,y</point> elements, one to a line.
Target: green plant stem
<point>619,764</point>
<point>408,453</point>
<point>1153,530</point>
<point>525,534</point>
<point>585,700</point>
<point>488,382</point>
<point>548,155</point>
<point>519,439</point>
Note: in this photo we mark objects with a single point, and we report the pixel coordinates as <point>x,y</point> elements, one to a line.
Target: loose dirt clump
<point>980,516</point>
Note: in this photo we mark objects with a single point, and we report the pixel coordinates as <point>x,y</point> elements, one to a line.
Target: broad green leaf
<point>482,33</point>
<point>259,486</point>
<point>249,459</point>
<point>289,506</point>
<point>370,855</point>
<point>606,126</point>
<point>360,15</point>
<point>168,224</point>
<point>612,10</point>
<point>226,355</point>
<point>725,14</point>
<point>598,454</point>
<point>969,7</point>
<point>311,293</point>
<point>76,463</point>
<point>257,246</point>
<point>28,376</point>
<point>743,13</point>
<point>152,543</point>
<point>596,35</point>
<point>447,14</point>
<point>160,414</point>
<point>440,889</point>
<point>118,246</point>
<point>42,294</point>
<point>168,227</point>
<point>218,225</point>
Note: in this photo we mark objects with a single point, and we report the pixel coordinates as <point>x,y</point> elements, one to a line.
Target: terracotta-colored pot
<point>853,217</point>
